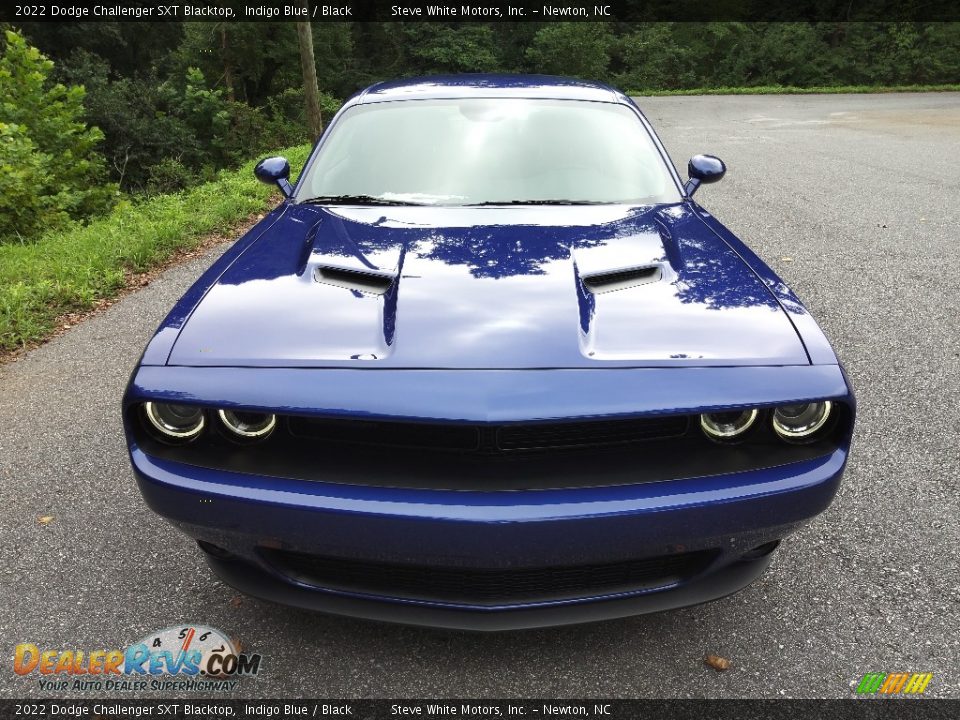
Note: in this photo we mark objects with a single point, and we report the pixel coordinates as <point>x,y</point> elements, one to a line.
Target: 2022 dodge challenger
<point>489,365</point>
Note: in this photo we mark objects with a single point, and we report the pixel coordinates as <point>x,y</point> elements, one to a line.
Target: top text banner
<point>483,11</point>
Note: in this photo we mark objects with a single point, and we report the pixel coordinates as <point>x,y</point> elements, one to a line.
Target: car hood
<point>516,287</point>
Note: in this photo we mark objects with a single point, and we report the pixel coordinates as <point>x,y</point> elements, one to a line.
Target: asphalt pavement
<point>851,198</point>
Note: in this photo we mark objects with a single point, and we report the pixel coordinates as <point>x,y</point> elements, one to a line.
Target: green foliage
<point>249,61</point>
<point>37,286</point>
<point>289,104</point>
<point>126,47</point>
<point>168,176</point>
<point>160,135</point>
<point>653,57</point>
<point>794,90</point>
<point>441,48</point>
<point>47,154</point>
<point>577,49</point>
<point>24,208</point>
<point>179,102</point>
<point>140,131</point>
<point>674,56</point>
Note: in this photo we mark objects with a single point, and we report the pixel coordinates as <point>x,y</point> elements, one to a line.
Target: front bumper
<point>729,515</point>
<point>253,580</point>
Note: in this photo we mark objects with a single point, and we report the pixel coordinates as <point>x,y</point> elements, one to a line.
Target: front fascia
<point>489,395</point>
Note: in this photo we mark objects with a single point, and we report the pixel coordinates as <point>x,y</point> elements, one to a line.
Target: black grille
<point>481,585</point>
<point>389,434</point>
<point>579,434</point>
<point>490,439</point>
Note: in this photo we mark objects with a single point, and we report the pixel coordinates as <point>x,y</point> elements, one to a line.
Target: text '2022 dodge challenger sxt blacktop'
<point>488,365</point>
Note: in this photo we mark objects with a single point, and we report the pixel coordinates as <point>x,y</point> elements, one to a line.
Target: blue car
<point>489,365</point>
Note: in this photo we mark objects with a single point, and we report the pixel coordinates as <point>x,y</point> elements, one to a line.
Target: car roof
<point>489,85</point>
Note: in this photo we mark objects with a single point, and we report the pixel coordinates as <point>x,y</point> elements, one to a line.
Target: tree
<point>140,121</point>
<point>254,59</point>
<point>437,47</point>
<point>571,48</point>
<point>311,94</point>
<point>46,151</point>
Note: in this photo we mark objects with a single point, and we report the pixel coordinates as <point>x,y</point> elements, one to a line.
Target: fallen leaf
<point>237,601</point>
<point>717,663</point>
<point>45,519</point>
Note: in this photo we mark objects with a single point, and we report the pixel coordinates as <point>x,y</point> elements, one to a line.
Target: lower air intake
<point>488,585</point>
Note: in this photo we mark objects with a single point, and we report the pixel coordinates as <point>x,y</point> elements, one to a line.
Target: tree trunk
<point>311,93</point>
<point>227,67</point>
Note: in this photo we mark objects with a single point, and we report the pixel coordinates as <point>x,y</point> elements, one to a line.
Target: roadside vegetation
<point>94,114</point>
<point>69,270</point>
<point>123,143</point>
<point>794,90</point>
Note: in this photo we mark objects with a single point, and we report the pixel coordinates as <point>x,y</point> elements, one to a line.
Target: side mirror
<point>275,171</point>
<point>703,169</point>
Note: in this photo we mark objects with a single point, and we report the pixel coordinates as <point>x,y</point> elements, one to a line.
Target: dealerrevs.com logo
<point>898,683</point>
<point>190,657</point>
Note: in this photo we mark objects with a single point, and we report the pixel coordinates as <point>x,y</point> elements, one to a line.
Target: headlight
<point>175,422</point>
<point>248,425</point>
<point>798,423</point>
<point>727,425</point>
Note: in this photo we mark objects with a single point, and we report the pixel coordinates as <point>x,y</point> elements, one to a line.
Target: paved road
<point>853,199</point>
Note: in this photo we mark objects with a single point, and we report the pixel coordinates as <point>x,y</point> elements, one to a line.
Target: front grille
<point>539,436</point>
<point>488,585</point>
<point>387,434</point>
<point>492,438</point>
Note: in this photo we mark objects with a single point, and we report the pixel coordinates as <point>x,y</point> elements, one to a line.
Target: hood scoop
<point>369,281</point>
<point>455,288</point>
<point>611,280</point>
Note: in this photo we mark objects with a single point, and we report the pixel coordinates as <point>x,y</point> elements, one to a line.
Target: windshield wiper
<point>538,202</point>
<point>355,200</point>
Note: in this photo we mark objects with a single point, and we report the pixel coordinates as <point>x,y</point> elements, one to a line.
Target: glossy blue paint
<point>489,395</point>
<point>731,514</point>
<point>471,292</point>
<point>158,349</point>
<point>487,319</point>
<point>506,506</point>
<point>275,171</point>
<point>818,347</point>
<point>703,169</point>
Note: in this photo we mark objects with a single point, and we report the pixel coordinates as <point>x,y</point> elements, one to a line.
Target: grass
<point>793,90</point>
<point>70,270</point>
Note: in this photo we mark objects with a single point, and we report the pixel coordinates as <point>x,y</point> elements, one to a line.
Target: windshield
<point>486,152</point>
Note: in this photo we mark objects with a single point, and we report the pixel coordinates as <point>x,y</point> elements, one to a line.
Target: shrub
<point>571,48</point>
<point>36,285</point>
<point>52,170</point>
